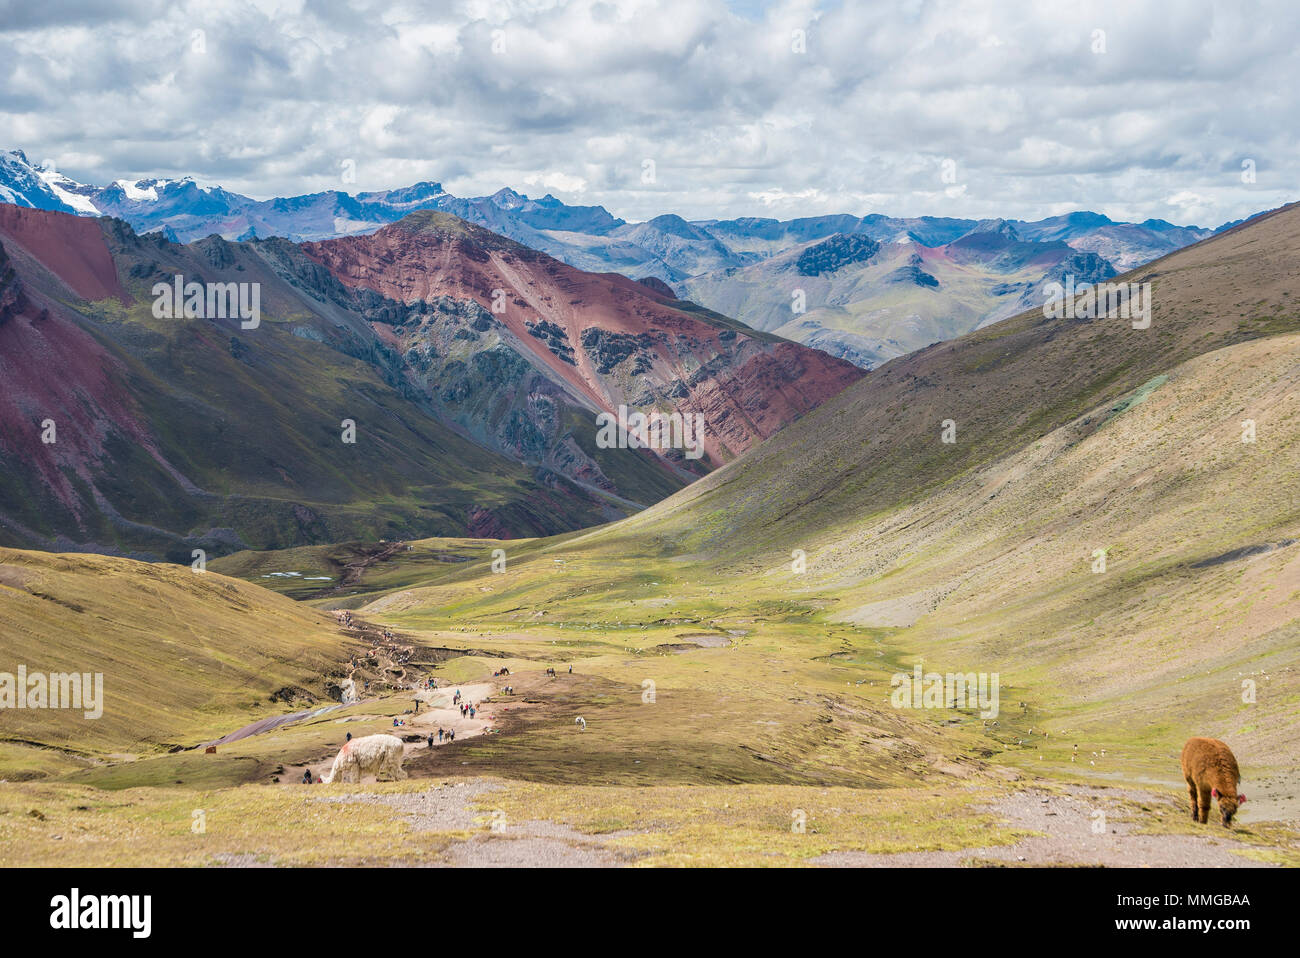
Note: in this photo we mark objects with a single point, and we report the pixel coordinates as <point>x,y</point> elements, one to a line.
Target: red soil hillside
<point>51,369</point>
<point>70,247</point>
<point>124,432</point>
<point>611,340</point>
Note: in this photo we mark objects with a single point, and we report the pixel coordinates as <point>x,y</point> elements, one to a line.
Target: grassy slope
<point>184,656</point>
<point>876,445</point>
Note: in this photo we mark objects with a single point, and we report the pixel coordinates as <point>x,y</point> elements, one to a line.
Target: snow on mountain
<point>134,192</point>
<point>69,191</point>
<point>21,184</point>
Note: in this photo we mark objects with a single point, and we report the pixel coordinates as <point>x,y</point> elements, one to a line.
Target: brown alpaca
<point>1211,772</point>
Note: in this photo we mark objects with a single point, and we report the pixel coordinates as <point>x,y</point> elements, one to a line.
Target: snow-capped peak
<point>68,191</point>
<point>134,191</point>
<point>22,183</point>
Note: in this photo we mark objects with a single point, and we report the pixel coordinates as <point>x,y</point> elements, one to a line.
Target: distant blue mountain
<point>701,254</point>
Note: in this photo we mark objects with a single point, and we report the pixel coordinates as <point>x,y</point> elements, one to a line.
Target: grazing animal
<point>1211,772</point>
<point>377,755</point>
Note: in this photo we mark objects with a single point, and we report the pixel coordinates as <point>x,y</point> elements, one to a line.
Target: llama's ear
<point>1214,793</point>
<point>1241,799</point>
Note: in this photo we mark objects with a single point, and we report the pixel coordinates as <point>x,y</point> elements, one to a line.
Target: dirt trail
<point>436,711</point>
<point>498,842</point>
<point>1068,838</point>
<point>390,653</point>
<point>391,657</point>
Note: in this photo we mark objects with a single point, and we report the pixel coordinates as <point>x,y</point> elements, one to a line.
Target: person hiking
<point>430,740</point>
<point>306,777</point>
<point>440,734</point>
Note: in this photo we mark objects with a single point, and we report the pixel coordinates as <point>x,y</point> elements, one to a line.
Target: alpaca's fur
<point>1211,772</point>
<point>377,755</point>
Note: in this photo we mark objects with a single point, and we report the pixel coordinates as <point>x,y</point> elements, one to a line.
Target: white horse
<point>377,755</point>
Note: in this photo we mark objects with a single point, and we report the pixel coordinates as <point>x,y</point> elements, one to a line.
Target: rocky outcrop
<point>657,285</point>
<point>912,276</point>
<point>839,251</point>
<point>12,301</point>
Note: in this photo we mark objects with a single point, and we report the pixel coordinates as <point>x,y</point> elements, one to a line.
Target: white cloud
<point>735,120</point>
<point>555,180</point>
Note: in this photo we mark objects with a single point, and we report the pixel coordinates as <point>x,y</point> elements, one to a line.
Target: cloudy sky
<point>1185,111</point>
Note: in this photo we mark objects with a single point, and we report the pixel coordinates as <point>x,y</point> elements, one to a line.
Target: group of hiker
<point>467,710</point>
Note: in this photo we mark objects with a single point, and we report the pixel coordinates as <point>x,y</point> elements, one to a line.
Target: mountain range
<point>926,278</point>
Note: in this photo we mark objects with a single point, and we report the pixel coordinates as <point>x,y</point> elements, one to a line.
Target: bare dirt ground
<point>1068,823</point>
<point>499,842</point>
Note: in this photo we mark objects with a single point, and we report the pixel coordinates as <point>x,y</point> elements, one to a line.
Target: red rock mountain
<point>610,339</point>
<point>131,432</point>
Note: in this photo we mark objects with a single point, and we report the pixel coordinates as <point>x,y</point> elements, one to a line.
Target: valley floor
<point>707,766</point>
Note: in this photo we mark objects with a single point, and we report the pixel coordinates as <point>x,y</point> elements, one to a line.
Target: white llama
<point>376,755</point>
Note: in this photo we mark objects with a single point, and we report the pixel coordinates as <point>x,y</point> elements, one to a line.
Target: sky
<point>983,108</point>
